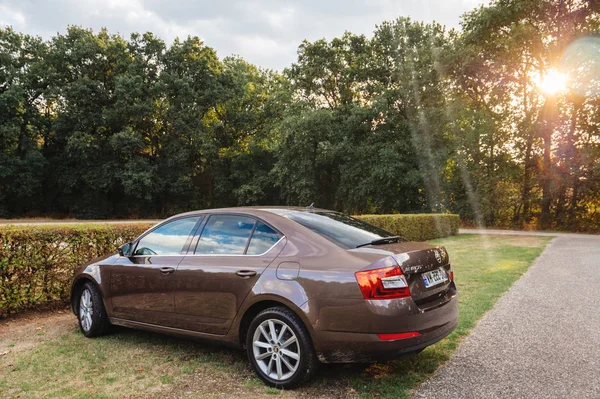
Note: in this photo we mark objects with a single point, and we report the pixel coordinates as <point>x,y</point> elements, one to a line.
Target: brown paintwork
<point>314,277</point>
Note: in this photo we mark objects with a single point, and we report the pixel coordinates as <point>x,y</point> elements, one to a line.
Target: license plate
<point>435,277</point>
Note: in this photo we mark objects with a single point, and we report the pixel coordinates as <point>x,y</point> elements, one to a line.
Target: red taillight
<point>386,283</point>
<point>451,273</point>
<point>393,337</point>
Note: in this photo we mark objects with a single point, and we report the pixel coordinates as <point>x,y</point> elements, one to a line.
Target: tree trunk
<point>575,164</point>
<point>491,189</point>
<point>547,128</point>
<point>560,207</point>
<point>526,217</point>
<point>525,201</point>
<point>573,207</point>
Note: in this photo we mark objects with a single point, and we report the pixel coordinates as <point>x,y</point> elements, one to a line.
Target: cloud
<point>264,32</point>
<point>10,16</point>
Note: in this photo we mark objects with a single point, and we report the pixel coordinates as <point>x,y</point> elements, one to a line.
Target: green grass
<point>272,391</point>
<point>485,267</point>
<point>139,364</point>
<point>122,364</point>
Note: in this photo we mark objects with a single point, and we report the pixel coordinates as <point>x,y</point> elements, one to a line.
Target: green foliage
<point>21,88</point>
<point>367,133</point>
<point>415,118</point>
<point>421,227</point>
<point>520,154</point>
<point>37,262</point>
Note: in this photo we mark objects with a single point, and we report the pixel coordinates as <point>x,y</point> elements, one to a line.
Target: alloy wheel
<point>86,310</point>
<point>276,349</point>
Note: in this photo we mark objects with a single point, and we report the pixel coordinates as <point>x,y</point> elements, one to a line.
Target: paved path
<point>541,339</point>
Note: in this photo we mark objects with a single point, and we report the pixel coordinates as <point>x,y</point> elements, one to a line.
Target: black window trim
<point>194,244</point>
<point>188,240</point>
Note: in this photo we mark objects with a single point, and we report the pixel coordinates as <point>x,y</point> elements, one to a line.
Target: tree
<point>243,128</point>
<point>368,130</point>
<point>515,43</point>
<point>414,118</point>
<point>23,80</point>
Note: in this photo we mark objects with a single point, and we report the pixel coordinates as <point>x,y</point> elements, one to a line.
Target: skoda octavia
<point>292,286</point>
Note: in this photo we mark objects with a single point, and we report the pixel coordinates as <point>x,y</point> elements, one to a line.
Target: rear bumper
<point>364,345</point>
<point>365,348</point>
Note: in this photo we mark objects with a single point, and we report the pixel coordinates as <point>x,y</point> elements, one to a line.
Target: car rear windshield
<point>339,228</point>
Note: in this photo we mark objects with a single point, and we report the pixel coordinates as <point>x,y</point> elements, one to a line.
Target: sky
<point>264,32</point>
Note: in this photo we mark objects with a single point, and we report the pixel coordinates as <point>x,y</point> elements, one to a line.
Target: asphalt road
<point>541,339</point>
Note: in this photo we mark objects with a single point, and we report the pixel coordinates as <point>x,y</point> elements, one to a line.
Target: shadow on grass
<point>389,379</point>
<point>180,347</point>
<point>331,380</point>
<point>386,379</point>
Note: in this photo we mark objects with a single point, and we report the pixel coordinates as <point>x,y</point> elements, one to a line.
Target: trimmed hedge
<point>37,262</point>
<point>419,227</point>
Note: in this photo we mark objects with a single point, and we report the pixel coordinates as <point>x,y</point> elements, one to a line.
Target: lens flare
<point>581,61</point>
<point>553,82</point>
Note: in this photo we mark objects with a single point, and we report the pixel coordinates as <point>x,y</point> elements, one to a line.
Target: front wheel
<point>279,348</point>
<point>93,320</point>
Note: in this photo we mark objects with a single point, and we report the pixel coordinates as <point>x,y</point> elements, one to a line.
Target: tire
<point>273,359</point>
<point>91,314</point>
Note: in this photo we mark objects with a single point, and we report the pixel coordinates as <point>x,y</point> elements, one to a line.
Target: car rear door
<point>229,254</point>
<point>141,285</point>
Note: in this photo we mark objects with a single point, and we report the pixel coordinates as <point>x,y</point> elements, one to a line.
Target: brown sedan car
<point>293,286</point>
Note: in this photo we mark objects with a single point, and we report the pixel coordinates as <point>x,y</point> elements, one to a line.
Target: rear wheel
<point>93,320</point>
<point>279,348</point>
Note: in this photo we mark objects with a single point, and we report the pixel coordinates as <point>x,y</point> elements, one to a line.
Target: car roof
<point>279,210</point>
<point>274,215</point>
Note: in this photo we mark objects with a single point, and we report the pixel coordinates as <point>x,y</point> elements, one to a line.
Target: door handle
<point>167,270</point>
<point>246,273</point>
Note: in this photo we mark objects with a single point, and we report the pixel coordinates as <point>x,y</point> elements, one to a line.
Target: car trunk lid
<point>418,262</point>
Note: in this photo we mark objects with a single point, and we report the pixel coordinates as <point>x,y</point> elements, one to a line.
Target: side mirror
<point>125,249</point>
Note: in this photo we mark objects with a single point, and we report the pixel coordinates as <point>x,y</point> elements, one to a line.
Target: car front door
<point>229,256</point>
<point>141,285</point>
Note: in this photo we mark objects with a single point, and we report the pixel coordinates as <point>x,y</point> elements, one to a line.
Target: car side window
<point>168,239</point>
<point>262,239</point>
<point>225,235</point>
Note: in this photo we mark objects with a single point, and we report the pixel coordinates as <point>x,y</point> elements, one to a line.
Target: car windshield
<point>340,228</point>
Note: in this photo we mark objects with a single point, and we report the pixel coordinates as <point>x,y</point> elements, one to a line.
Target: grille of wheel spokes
<point>86,309</point>
<point>276,349</point>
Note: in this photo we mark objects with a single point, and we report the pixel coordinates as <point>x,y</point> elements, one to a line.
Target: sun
<point>553,82</point>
